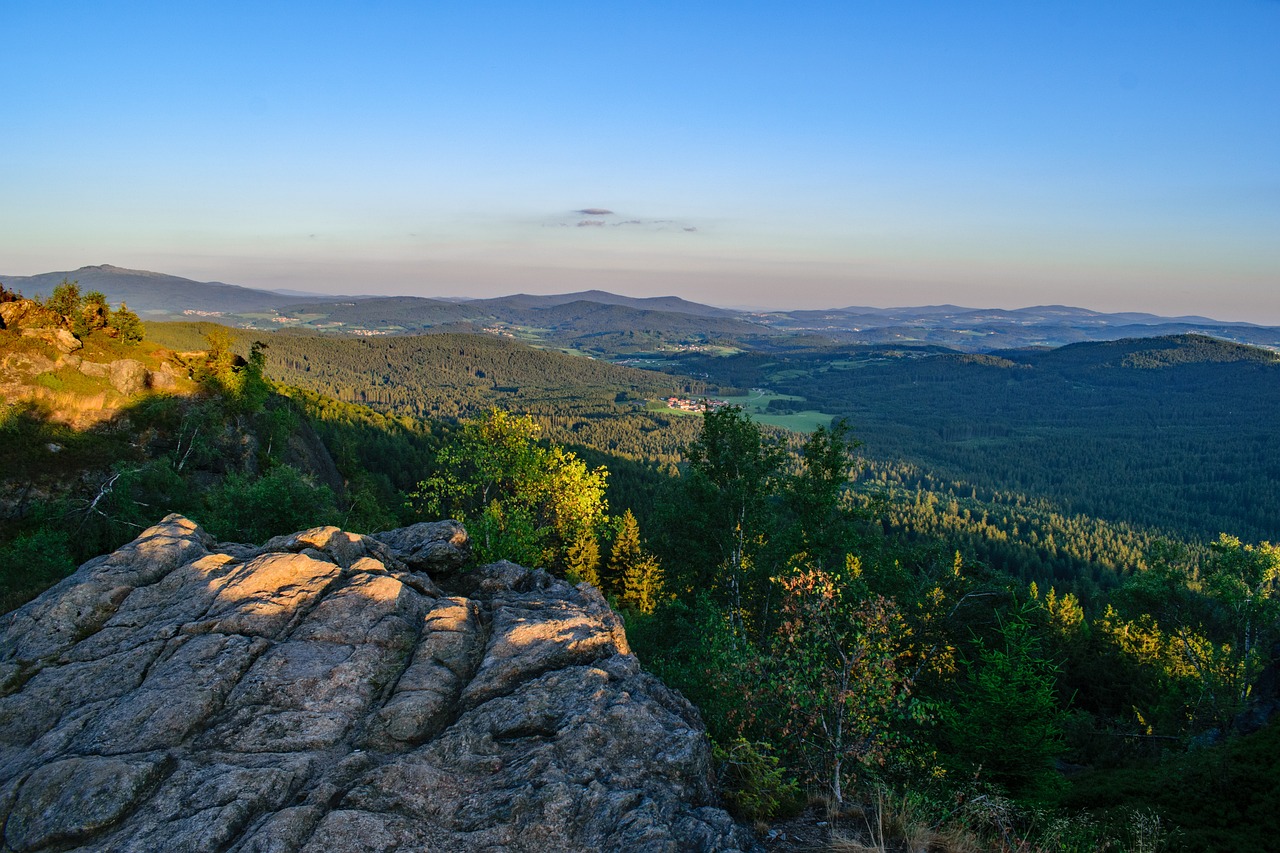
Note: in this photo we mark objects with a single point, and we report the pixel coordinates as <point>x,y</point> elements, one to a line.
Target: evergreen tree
<point>582,559</point>
<point>643,584</point>
<point>626,551</point>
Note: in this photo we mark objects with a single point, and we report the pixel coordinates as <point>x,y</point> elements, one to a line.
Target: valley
<point>1052,524</point>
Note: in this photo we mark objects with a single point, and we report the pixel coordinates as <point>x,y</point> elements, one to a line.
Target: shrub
<point>754,786</point>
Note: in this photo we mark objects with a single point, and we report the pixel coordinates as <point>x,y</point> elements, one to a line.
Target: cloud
<point>599,217</point>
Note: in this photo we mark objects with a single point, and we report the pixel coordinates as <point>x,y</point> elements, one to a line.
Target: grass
<point>806,421</point>
<point>70,380</point>
<point>756,404</point>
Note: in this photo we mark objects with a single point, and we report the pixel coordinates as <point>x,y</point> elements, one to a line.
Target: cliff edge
<point>323,692</point>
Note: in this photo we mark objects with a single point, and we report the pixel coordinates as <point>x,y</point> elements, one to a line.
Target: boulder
<point>60,339</point>
<point>164,379</point>
<point>29,363</point>
<point>127,375</point>
<point>14,314</point>
<point>328,691</point>
<point>95,369</point>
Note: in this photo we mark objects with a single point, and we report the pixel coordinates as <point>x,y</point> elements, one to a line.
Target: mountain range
<point>599,323</point>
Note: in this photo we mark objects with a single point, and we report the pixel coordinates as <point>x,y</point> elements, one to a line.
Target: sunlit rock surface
<point>322,693</point>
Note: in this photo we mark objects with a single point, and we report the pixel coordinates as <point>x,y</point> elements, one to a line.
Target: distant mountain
<point>988,329</point>
<point>607,324</point>
<point>396,313</point>
<point>310,294</point>
<point>157,293</point>
<point>650,303</point>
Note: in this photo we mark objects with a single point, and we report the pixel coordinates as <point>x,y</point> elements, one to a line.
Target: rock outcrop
<point>323,693</point>
<point>60,339</point>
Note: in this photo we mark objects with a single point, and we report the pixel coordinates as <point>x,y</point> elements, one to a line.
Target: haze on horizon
<point>1119,157</point>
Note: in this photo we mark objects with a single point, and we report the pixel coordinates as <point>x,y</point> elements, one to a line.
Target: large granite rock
<point>322,693</point>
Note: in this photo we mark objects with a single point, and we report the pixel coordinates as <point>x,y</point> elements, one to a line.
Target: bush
<point>754,786</point>
<point>125,325</point>
<point>247,509</point>
<point>31,562</point>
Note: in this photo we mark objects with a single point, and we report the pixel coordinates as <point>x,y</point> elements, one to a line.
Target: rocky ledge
<point>323,692</point>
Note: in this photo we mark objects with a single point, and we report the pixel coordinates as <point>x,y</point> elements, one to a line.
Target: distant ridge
<point>156,293</point>
<point>606,324</point>
<point>649,303</point>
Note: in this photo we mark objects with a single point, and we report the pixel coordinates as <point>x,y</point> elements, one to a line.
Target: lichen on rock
<point>329,691</point>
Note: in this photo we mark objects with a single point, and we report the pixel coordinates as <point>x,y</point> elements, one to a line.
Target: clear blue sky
<point>1114,155</point>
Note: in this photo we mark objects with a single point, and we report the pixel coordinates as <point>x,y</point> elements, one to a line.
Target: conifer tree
<point>582,559</point>
<point>642,584</point>
<point>626,552</point>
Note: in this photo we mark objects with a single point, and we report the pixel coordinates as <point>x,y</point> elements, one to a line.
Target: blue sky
<point>1114,155</point>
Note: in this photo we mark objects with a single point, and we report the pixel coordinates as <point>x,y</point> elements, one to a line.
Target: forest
<point>979,663</point>
<point>1175,434</point>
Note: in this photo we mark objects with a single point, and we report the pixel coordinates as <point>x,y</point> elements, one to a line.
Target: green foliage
<point>1006,725</point>
<point>643,585</point>
<point>1243,584</point>
<point>820,519</point>
<point>125,325</point>
<point>65,299</point>
<point>582,559</point>
<point>1187,449</point>
<point>724,506</point>
<point>625,552</point>
<point>523,501</point>
<point>1027,539</point>
<point>697,649</point>
<point>89,312</point>
<point>460,376</point>
<point>841,666</point>
<point>241,382</point>
<point>755,785</point>
<point>367,511</point>
<point>132,497</point>
<point>96,313</point>
<point>1193,639</point>
<point>243,508</point>
<point>634,575</point>
<point>31,562</point>
<point>829,613</point>
<point>1220,797</point>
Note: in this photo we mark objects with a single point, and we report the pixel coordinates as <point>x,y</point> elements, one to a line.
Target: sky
<point>1120,156</point>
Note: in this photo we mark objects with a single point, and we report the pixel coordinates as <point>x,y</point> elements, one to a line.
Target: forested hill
<point>1177,433</point>
<point>1145,353</point>
<point>609,326</point>
<point>651,303</point>
<point>578,400</point>
<point>152,292</point>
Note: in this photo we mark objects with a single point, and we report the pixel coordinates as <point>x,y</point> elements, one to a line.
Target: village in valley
<point>689,404</point>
